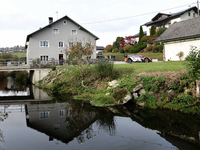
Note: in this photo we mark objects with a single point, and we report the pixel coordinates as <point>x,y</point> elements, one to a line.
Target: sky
<point>107,19</point>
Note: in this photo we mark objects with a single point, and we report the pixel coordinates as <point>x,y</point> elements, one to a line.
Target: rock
<point>137,88</point>
<point>142,91</point>
<point>135,96</point>
<point>115,111</point>
<point>107,94</point>
<point>142,104</point>
<point>171,92</point>
<point>113,84</point>
<point>122,96</point>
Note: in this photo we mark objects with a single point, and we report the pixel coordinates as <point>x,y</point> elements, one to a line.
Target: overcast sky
<point>106,19</point>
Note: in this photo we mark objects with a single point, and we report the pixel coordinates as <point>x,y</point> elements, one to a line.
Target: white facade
<point>173,48</point>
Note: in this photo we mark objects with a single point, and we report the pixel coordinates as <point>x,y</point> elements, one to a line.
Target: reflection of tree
<point>106,122</point>
<point>1,136</point>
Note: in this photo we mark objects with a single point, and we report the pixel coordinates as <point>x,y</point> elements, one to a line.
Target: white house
<point>180,36</point>
<point>165,20</point>
<point>51,41</point>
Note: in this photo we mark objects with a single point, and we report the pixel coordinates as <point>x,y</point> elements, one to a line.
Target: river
<point>38,122</point>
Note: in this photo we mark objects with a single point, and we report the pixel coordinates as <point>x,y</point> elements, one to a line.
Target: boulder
<point>137,88</point>
<point>122,96</point>
<point>135,96</point>
<point>171,92</point>
<point>113,84</point>
<point>142,91</point>
<point>142,104</point>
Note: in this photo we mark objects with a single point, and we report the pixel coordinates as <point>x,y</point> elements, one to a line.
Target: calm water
<point>74,125</point>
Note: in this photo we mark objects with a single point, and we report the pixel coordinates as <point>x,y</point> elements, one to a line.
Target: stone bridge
<point>35,74</point>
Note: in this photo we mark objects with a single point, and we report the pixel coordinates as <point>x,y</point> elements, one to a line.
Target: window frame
<point>44,57</point>
<point>57,31</point>
<point>44,43</point>
<point>73,33</point>
<point>60,45</point>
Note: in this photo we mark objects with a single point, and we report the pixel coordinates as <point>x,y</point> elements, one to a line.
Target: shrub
<point>180,55</point>
<point>149,99</point>
<point>145,38</point>
<point>152,30</point>
<point>104,68</point>
<point>161,48</point>
<point>106,49</point>
<point>115,50</point>
<point>53,67</point>
<point>155,49</point>
<point>127,48</point>
<point>160,31</point>
<point>193,63</point>
<point>149,48</point>
<point>110,49</point>
<point>121,50</point>
<point>183,76</point>
<point>137,48</point>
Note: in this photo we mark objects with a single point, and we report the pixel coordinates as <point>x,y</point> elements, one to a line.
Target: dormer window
<point>74,32</point>
<point>55,31</point>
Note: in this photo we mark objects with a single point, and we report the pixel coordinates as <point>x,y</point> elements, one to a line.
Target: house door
<point>61,59</point>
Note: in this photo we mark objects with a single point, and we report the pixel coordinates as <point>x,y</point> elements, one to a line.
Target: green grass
<point>120,56</point>
<point>19,54</point>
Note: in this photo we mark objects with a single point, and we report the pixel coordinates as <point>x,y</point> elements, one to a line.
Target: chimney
<point>50,20</point>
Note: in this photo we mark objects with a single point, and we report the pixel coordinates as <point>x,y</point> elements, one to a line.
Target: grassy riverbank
<point>94,87</point>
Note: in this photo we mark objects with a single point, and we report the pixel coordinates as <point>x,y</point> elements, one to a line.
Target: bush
<point>137,48</point>
<point>127,48</point>
<point>161,48</point>
<point>145,38</point>
<point>149,48</point>
<point>115,50</point>
<point>193,63</point>
<point>121,50</point>
<point>110,49</point>
<point>104,68</point>
<point>53,67</point>
<point>160,31</point>
<point>155,49</point>
<point>152,30</point>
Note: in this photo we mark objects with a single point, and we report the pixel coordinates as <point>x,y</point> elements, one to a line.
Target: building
<point>99,49</point>
<point>165,20</point>
<point>180,36</point>
<point>52,40</point>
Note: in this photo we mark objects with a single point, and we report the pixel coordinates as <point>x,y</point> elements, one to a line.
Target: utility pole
<point>198,7</point>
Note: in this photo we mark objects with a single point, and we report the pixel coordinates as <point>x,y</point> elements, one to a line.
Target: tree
<point>160,31</point>
<point>116,44</point>
<point>152,30</point>
<point>79,55</point>
<point>141,34</point>
<point>106,49</point>
<point>129,40</point>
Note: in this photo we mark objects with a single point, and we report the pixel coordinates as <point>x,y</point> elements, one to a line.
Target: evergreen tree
<point>141,34</point>
<point>116,44</point>
<point>153,30</point>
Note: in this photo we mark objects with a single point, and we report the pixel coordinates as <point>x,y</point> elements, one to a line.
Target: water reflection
<point>66,122</point>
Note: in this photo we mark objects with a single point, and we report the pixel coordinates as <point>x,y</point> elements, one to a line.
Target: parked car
<point>136,58</point>
<point>100,56</point>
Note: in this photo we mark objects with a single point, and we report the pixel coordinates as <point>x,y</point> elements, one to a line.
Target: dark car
<point>136,58</point>
<point>100,56</point>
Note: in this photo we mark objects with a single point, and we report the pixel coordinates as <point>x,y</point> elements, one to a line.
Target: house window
<point>61,113</point>
<point>44,115</point>
<point>70,44</point>
<point>65,22</point>
<point>55,31</point>
<point>61,44</point>
<point>44,58</point>
<point>74,32</point>
<point>44,44</point>
<point>188,13</point>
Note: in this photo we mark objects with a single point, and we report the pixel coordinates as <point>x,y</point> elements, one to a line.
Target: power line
<point>136,15</point>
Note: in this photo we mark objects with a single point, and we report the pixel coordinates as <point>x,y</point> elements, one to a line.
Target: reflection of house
<point>165,20</point>
<point>59,120</point>
<point>180,37</point>
<point>51,41</point>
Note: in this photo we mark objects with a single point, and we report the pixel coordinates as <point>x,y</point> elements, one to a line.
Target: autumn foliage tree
<point>79,55</point>
<point>128,40</point>
<point>107,48</point>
